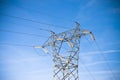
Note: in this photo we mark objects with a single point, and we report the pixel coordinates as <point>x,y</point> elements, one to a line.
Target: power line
<point>48,30</point>
<point>103,57</point>
<point>88,70</point>
<point>21,18</point>
<point>20,45</point>
<point>13,44</point>
<point>39,12</point>
<point>22,33</point>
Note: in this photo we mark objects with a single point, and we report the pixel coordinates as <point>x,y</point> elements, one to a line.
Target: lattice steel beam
<point>65,49</point>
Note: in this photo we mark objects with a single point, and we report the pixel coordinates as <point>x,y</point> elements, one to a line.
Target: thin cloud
<point>83,8</point>
<point>101,72</point>
<point>99,52</point>
<point>115,10</point>
<point>17,61</point>
<point>88,4</point>
<point>101,62</point>
<point>115,43</point>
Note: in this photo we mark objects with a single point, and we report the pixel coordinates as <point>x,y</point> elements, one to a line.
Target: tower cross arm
<point>87,32</point>
<point>44,46</point>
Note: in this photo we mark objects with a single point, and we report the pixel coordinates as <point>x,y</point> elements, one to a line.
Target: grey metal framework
<point>65,49</point>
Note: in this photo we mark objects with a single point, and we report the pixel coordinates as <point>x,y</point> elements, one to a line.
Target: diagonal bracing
<point>65,49</point>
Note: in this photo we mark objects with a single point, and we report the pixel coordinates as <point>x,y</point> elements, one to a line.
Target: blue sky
<point>102,17</point>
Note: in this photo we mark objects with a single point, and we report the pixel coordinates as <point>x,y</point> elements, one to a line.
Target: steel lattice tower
<point>65,49</point>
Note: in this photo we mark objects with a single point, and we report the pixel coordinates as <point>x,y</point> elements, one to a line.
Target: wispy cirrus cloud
<point>88,4</point>
<point>115,10</point>
<point>17,61</point>
<point>101,62</point>
<point>99,52</point>
<point>102,72</point>
<point>83,8</point>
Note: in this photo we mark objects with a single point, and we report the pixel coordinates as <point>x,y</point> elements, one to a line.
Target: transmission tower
<point>65,49</point>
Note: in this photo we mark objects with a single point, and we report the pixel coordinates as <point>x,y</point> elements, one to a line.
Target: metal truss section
<point>65,49</point>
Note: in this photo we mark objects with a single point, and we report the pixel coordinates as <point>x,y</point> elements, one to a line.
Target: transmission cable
<point>13,44</point>
<point>39,12</point>
<point>37,28</point>
<point>22,33</point>
<point>21,45</point>
<point>103,57</point>
<point>88,70</point>
<point>92,76</point>
<point>21,18</point>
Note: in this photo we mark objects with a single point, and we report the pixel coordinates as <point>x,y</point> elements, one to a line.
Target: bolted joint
<point>76,66</point>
